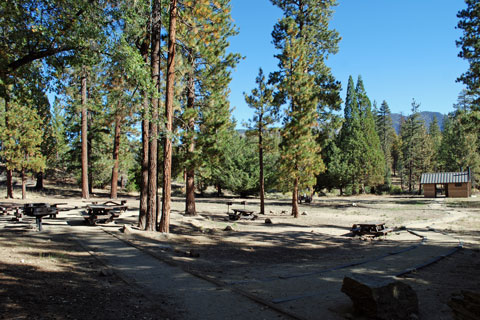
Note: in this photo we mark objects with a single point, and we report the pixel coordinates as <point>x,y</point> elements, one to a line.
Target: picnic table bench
<point>241,214</point>
<point>104,213</point>
<point>370,229</point>
<point>7,208</point>
<point>305,198</point>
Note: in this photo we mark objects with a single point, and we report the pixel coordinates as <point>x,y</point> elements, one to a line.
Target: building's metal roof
<point>445,177</point>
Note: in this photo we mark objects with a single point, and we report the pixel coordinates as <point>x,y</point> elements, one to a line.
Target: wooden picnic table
<point>241,214</point>
<point>105,212</point>
<point>371,228</point>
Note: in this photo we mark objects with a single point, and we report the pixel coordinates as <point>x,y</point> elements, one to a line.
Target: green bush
<point>396,190</point>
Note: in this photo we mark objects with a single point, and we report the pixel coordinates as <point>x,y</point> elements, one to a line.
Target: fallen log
<point>381,299</point>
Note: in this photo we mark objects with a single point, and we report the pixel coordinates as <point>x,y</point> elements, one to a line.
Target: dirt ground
<point>46,276</point>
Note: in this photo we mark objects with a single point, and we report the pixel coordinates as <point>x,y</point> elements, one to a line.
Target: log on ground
<point>380,298</point>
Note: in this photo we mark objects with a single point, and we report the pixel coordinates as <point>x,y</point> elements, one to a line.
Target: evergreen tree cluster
<point>141,98</point>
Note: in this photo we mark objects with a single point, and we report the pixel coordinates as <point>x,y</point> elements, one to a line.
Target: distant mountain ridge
<point>427,116</point>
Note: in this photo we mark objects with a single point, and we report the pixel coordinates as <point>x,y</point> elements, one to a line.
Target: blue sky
<point>402,49</point>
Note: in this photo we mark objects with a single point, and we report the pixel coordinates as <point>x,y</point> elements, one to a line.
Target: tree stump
<point>381,299</point>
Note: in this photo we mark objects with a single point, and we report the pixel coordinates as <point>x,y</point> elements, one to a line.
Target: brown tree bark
<point>116,148</point>
<point>85,193</point>
<point>167,151</point>
<point>89,159</point>
<point>9,184</point>
<point>295,199</point>
<point>9,171</point>
<point>190,172</point>
<point>40,181</point>
<point>151,219</point>
<point>24,185</point>
<point>142,218</point>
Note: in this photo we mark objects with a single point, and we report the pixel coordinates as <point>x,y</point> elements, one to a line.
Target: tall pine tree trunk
<point>295,199</point>
<point>151,221</point>
<point>9,184</point>
<point>190,171</point>
<point>167,151</point>
<point>190,209</point>
<point>142,217</point>
<point>40,181</point>
<point>85,193</point>
<point>89,160</point>
<point>9,171</point>
<point>260,156</point>
<point>24,185</point>
<point>116,148</point>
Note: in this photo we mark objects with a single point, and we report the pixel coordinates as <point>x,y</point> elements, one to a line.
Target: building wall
<point>461,191</point>
<point>429,190</point>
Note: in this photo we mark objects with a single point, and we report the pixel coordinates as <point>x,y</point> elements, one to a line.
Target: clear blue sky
<point>402,49</point>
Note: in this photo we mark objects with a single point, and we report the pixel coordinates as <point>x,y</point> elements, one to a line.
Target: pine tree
<point>84,135</point>
<point>304,41</point>
<point>21,141</point>
<point>427,152</point>
<point>396,152</point>
<point>384,125</point>
<point>470,23</point>
<point>37,30</point>
<point>435,136</point>
<point>261,100</point>
<point>470,51</point>
<point>351,139</point>
<point>206,63</point>
<point>412,157</point>
<point>385,130</point>
<point>61,148</point>
<point>336,167</point>
<point>373,159</point>
<point>134,47</point>
<point>216,130</point>
<point>55,33</point>
<point>459,147</point>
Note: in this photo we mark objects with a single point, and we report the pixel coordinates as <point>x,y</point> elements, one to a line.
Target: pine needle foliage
<point>303,40</point>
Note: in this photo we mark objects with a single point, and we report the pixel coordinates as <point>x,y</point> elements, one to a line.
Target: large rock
<point>381,299</point>
<point>126,229</point>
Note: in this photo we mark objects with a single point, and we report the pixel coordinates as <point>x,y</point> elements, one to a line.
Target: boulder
<point>268,221</point>
<point>126,229</point>
<point>381,299</point>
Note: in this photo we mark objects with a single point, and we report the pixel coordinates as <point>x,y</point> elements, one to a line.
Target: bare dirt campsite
<point>209,267</point>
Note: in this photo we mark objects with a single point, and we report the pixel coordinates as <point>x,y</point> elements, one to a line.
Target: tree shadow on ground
<point>55,279</point>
